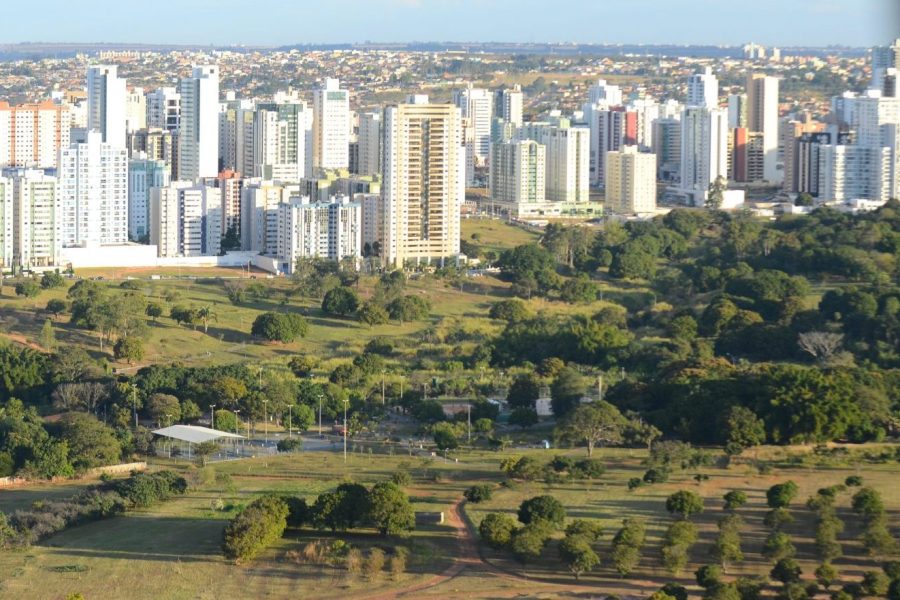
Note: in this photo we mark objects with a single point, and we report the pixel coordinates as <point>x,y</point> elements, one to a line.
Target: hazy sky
<point>269,22</point>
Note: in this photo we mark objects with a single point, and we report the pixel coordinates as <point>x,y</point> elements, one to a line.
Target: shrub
<point>588,468</point>
<point>542,508</point>
<point>279,327</point>
<point>826,575</point>
<point>298,511</point>
<point>656,476</point>
<point>634,483</point>
<point>145,489</point>
<point>786,571</point>
<point>401,478</point>
<point>374,564</point>
<point>867,502</point>
<point>780,495</point>
<point>853,481</point>
<point>255,528</point>
<point>627,544</point>
<point>735,499</point>
<point>591,530</point>
<point>684,503</point>
<point>478,493</point>
<point>290,444</point>
<point>708,576</point>
<point>778,546</point>
<point>777,518</point>
<point>496,530</point>
<point>676,591</point>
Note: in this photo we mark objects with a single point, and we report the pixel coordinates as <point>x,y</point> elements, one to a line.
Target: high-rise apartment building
<point>332,230</point>
<point>7,219</point>
<point>762,117</point>
<point>143,174</point>
<point>611,129</point>
<point>31,135</point>
<point>106,104</point>
<point>508,105</point>
<point>135,110</point>
<point>704,151</point>
<point>849,172</point>
<point>282,142</point>
<point>737,111</point>
<point>259,214</point>
<point>518,172</point>
<point>423,182</point>
<point>631,181</point>
<point>331,127</point>
<point>884,58</point>
<point>186,220</point>
<point>667,147</point>
<point>154,144</point>
<point>93,193</point>
<point>198,137</point>
<point>703,89</point>
<point>476,106</point>
<point>37,239</point>
<point>568,163</point>
<point>236,136</point>
<point>604,93</point>
<point>369,141</point>
<point>164,109</point>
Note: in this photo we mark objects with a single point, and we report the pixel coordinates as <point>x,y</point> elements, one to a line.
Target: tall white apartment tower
<point>106,101</point>
<point>508,105</point>
<point>331,127</point>
<point>703,89</point>
<point>424,170</point>
<point>762,117</point>
<point>884,58</point>
<point>476,105</point>
<point>568,163</point>
<point>36,232</point>
<point>164,109</point>
<point>143,175</point>
<point>198,140</point>
<point>631,181</point>
<point>518,169</point>
<point>6,223</point>
<point>704,150</point>
<point>282,133</point>
<point>369,139</point>
<point>604,93</point>
<point>93,193</point>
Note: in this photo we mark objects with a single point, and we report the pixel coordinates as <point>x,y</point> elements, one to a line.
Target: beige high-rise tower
<point>424,179</point>
<point>762,116</point>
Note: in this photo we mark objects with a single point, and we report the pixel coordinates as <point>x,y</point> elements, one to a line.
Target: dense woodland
<point>714,328</point>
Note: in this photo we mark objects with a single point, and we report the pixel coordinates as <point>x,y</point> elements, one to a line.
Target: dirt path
<point>468,558</point>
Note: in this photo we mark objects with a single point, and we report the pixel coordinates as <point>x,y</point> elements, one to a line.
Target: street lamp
<point>212,416</point>
<point>134,403</point>
<point>290,421</point>
<point>320,416</point>
<point>266,418</point>
<point>346,402</point>
<point>382,387</point>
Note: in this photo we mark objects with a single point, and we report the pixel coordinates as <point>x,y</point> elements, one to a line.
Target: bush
<point>298,511</point>
<point>778,518</point>
<point>401,478</point>
<point>780,495</point>
<point>786,571</point>
<point>496,530</point>
<point>478,493</point>
<point>279,327</point>
<point>627,544</point>
<point>656,476</point>
<point>735,499</point>
<point>145,489</point>
<point>708,576</point>
<point>867,502</point>
<point>255,528</point>
<point>778,546</point>
<point>853,481</point>
<point>542,508</point>
<point>587,529</point>
<point>290,444</point>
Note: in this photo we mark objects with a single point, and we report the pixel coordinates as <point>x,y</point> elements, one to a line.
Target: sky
<point>284,22</point>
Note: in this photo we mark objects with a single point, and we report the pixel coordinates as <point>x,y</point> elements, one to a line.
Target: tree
<point>496,530</point>
<point>542,508</point>
<point>683,327</point>
<point>49,459</point>
<point>627,543</point>
<point>205,314</point>
<point>390,510</point>
<point>677,542</point>
<point>826,574</point>
<point>780,495</point>
<point>523,417</point>
<point>578,290</point>
<point>279,327</point>
<point>708,576</point>
<point>164,408</point>
<point>743,429</point>
<point>593,423</point>
<point>91,443</point>
<point>478,493</point>
<point>716,195</point>
<point>684,503</point>
<point>409,308</point>
<point>528,542</point>
<point>204,450</point>
<point>48,337</point>
<point>735,499</point>
<point>578,556</point>
<point>130,349</point>
<point>183,315</point>
<point>821,345</point>
<point>55,307</point>
<point>511,311</point>
<point>727,547</point>
<point>786,571</point>
<point>778,546</point>
<point>590,530</point>
<point>340,301</point>
<point>524,391</point>
<point>154,310</point>
<point>566,391</point>
<point>372,313</point>
<point>28,288</point>
<point>445,437</point>
<point>225,420</point>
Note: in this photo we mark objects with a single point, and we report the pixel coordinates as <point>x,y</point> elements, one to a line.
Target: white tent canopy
<point>194,434</point>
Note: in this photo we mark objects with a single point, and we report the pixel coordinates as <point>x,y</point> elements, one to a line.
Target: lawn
<point>496,235</point>
<point>172,550</point>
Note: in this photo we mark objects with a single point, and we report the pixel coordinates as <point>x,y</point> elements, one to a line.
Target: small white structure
<point>195,434</point>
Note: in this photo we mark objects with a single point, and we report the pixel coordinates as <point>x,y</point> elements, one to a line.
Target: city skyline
<point>802,23</point>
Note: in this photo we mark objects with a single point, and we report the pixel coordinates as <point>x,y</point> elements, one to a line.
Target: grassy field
<point>172,550</point>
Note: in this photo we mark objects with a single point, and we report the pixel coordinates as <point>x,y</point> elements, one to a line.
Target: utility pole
<point>290,421</point>
<point>600,387</point>
<point>266,418</point>
<point>134,404</point>
<point>212,416</point>
<point>469,421</point>
<point>382,387</point>
<point>320,415</point>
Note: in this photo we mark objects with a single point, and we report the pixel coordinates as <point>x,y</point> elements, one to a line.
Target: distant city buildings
<point>631,181</point>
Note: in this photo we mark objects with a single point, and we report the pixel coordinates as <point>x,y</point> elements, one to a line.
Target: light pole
<point>320,416</point>
<point>382,387</point>
<point>212,416</point>
<point>266,418</point>
<point>290,421</point>
<point>346,402</point>
<point>170,443</point>
<point>134,403</point>
<point>469,421</point>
